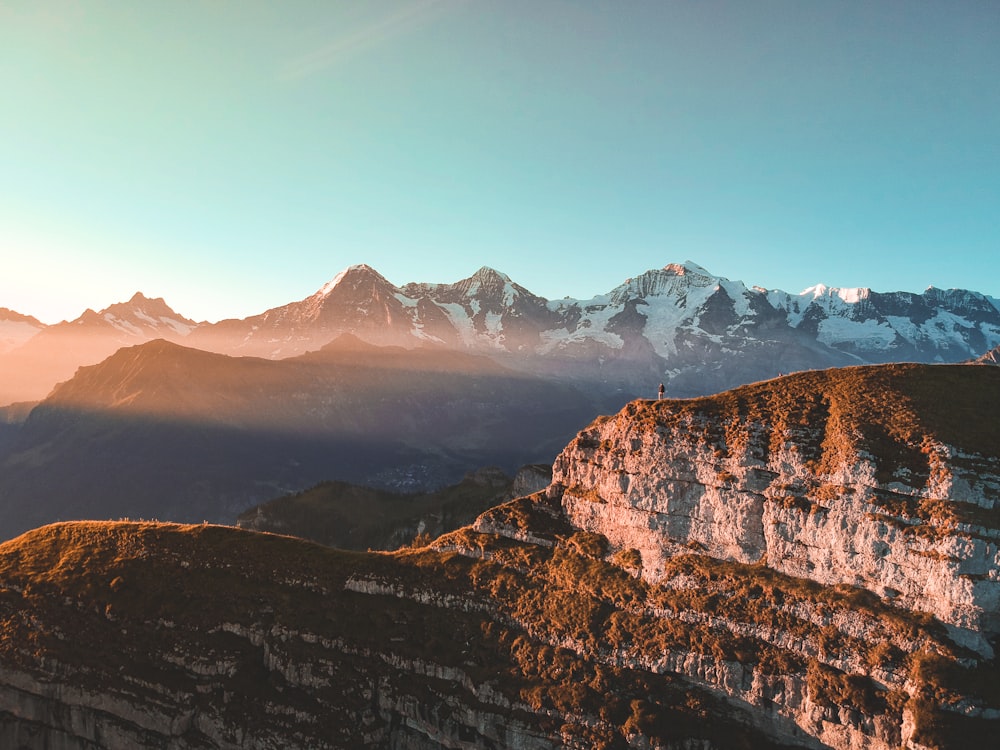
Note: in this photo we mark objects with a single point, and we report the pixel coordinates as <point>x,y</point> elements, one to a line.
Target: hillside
<point>31,365</point>
<point>165,431</point>
<point>809,562</point>
<point>350,516</point>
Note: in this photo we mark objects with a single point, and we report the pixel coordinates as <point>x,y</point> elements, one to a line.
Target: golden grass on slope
<point>133,606</point>
<point>550,627</point>
<point>900,415</point>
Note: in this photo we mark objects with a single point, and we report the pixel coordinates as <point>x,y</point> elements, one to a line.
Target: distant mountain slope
<point>16,329</point>
<point>681,324</point>
<point>29,371</point>
<point>164,431</point>
<point>808,562</point>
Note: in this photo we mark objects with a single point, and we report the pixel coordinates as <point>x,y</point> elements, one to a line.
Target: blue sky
<point>234,156</point>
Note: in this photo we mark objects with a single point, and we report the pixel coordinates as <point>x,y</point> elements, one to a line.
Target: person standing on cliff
<point>660,391</point>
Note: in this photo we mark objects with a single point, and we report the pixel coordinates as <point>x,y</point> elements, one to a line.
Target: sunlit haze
<point>234,156</point>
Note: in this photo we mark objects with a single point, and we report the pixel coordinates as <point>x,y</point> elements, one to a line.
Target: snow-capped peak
<point>142,313</point>
<point>362,269</point>
<point>487,274</point>
<point>685,268</point>
<point>489,284</point>
<point>850,295</point>
<point>672,279</point>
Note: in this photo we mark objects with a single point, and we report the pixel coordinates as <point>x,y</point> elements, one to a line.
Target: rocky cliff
<point>885,478</point>
<point>808,562</point>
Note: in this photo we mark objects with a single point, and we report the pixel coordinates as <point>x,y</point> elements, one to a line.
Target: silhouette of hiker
<point>660,391</point>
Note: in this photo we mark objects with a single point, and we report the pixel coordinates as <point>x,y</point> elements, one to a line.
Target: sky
<point>234,155</point>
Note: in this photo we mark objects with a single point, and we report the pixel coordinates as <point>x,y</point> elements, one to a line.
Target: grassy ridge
<point>551,628</point>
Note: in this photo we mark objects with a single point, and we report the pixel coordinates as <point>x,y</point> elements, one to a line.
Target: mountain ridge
<point>682,324</point>
<point>30,370</point>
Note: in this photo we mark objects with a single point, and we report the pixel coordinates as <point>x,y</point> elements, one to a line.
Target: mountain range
<point>805,562</point>
<point>34,357</point>
<point>403,389</point>
<point>698,332</point>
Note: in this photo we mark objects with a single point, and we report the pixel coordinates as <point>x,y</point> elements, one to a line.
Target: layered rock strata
<point>838,476</point>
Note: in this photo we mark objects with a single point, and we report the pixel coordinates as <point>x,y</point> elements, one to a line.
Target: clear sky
<point>234,155</point>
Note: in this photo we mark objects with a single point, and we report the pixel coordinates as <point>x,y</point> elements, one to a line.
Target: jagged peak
<point>487,274</point>
<point>139,301</point>
<point>352,275</point>
<point>489,283</point>
<point>12,315</point>
<point>687,267</point>
<point>141,311</point>
<point>657,282</point>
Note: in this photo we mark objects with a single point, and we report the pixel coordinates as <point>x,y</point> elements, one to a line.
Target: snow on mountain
<point>142,317</point>
<point>488,310</point>
<point>662,302</point>
<point>680,323</point>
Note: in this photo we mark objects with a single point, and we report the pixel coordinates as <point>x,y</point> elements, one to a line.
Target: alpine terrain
<point>806,562</point>
<point>34,357</point>
<point>682,325</point>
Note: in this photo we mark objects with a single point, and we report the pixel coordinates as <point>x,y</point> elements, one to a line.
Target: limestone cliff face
<point>838,477</point>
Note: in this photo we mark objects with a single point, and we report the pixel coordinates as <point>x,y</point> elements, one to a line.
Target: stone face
<point>755,491</point>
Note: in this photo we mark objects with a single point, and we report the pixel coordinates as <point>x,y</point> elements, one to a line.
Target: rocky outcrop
<point>803,475</point>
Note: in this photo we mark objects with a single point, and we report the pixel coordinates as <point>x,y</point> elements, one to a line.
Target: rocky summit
<point>807,562</point>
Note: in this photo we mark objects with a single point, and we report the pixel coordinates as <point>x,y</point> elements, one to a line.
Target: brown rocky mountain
<point>808,562</point>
